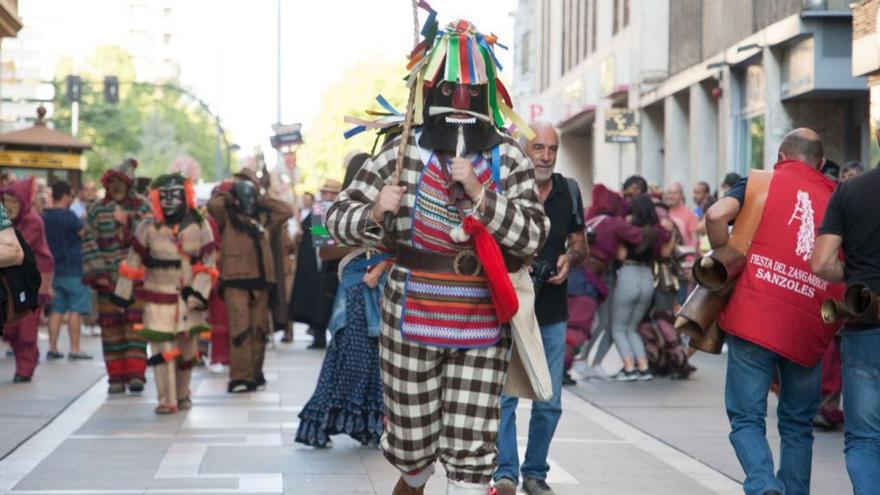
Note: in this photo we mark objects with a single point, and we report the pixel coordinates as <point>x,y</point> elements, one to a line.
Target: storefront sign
<point>41,159</point>
<point>621,126</point>
<point>606,71</point>
<point>572,98</point>
<point>798,68</point>
<point>286,136</point>
<point>536,110</point>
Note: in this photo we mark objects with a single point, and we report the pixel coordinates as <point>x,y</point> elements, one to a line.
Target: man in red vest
<point>773,318</point>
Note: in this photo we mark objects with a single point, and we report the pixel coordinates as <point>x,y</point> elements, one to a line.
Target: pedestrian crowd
<point>455,271</point>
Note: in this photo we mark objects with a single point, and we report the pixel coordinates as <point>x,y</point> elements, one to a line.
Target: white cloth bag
<point>528,376</point>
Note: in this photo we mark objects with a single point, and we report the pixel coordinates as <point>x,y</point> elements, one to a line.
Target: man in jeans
<point>784,333</point>
<point>565,247</point>
<point>72,298</point>
<point>851,221</point>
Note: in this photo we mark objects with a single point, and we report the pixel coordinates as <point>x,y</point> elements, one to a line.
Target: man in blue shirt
<point>72,298</point>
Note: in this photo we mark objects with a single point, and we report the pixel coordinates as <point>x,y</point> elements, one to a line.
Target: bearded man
<point>465,184</point>
<point>173,253</point>
<point>109,228</point>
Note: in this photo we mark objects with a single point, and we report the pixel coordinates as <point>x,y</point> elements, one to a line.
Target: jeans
<point>860,351</point>
<point>543,421</point>
<point>750,369</point>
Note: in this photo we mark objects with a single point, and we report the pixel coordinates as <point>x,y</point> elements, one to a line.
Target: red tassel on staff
<point>503,294</point>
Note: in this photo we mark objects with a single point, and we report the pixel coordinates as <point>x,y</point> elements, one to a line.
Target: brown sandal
<point>184,404</point>
<point>164,409</point>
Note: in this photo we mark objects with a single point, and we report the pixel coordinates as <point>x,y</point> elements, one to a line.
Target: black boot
<point>320,341</point>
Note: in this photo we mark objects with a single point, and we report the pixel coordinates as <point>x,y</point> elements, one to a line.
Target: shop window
<point>525,50</point>
<point>545,43</point>
<point>752,144</point>
<point>579,30</point>
<point>594,15</point>
<point>585,22</point>
<point>566,35</point>
<point>615,19</point>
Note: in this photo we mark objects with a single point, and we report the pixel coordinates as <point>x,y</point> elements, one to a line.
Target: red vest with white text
<point>776,301</point>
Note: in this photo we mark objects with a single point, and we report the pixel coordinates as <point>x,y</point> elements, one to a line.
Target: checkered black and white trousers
<point>441,403</point>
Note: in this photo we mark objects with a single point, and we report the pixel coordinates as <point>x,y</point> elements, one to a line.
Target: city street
<point>62,435</point>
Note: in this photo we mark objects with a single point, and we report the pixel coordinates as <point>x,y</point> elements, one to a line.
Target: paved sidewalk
<point>27,408</point>
<point>244,444</point>
<point>690,416</point>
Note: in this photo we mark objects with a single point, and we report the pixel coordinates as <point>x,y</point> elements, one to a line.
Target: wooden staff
<point>388,220</point>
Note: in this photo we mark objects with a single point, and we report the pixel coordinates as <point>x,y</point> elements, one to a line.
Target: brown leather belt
<point>464,262</point>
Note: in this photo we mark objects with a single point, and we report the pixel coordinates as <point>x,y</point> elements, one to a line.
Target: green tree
<point>351,95</point>
<point>153,124</point>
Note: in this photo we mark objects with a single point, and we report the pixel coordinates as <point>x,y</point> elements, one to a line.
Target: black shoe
<point>261,380</point>
<point>317,345</point>
<point>136,385</point>
<point>79,356</point>
<point>625,376</point>
<point>21,379</point>
<point>567,379</point>
<point>241,386</point>
<point>53,355</point>
<point>536,487</point>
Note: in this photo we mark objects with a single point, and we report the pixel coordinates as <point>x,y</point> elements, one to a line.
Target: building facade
<point>714,84</point>
<point>579,61</point>
<point>866,63</point>
<point>10,25</point>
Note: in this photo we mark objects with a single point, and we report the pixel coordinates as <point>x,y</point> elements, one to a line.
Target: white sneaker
<point>217,368</point>
<point>589,372</point>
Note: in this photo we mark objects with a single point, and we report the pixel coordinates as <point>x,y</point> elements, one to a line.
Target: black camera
<point>591,234</point>
<point>542,270</point>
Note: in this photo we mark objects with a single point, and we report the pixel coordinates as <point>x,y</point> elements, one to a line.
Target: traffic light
<point>74,89</point>
<point>111,89</point>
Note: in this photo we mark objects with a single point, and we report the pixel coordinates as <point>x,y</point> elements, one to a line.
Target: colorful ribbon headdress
<point>459,54</point>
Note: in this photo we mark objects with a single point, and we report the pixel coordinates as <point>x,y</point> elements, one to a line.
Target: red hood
<point>23,190</point>
<point>605,202</point>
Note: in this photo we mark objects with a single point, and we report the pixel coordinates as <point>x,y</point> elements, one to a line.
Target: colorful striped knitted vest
<point>446,310</point>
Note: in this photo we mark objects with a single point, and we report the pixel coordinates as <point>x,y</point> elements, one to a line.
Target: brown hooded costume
<point>247,275</point>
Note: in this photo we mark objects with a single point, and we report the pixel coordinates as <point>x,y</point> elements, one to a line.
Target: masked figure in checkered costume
<point>464,213</point>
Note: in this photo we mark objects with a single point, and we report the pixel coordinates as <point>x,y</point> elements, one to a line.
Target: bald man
<point>562,254</point>
<point>685,219</point>
<point>773,320</point>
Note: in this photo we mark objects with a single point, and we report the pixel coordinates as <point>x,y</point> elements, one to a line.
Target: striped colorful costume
<point>442,347</point>
<point>176,264</point>
<point>443,354</point>
<point>105,245</point>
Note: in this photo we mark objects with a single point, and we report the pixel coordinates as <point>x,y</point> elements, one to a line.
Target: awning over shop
<point>40,147</point>
<point>580,121</point>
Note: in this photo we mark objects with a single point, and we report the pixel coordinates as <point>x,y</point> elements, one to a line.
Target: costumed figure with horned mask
<point>465,213</point>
